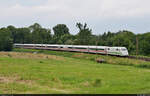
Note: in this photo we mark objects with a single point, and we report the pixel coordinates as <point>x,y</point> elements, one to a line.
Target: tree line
<point>36,34</point>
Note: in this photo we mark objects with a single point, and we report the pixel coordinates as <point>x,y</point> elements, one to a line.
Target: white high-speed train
<point>119,51</point>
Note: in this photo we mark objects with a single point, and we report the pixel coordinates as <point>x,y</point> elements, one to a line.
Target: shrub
<point>97,83</point>
<point>143,65</point>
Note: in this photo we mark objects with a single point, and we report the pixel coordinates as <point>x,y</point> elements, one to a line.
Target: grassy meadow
<point>27,71</point>
<point>92,57</point>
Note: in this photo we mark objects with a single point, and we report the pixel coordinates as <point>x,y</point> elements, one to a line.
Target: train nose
<point>125,53</point>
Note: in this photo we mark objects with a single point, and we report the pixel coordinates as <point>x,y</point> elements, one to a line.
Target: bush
<point>97,83</point>
<point>6,42</point>
<point>144,65</point>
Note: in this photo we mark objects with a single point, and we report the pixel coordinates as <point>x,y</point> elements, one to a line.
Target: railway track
<point>139,58</point>
<point>57,49</point>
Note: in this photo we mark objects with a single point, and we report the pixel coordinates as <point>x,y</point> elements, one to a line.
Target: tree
<point>144,43</point>
<point>23,35</point>
<point>13,31</point>
<point>46,36</point>
<point>60,30</point>
<point>6,41</point>
<point>35,27</point>
<point>85,34</point>
<point>60,33</point>
<point>106,39</point>
<point>67,39</point>
<point>40,35</point>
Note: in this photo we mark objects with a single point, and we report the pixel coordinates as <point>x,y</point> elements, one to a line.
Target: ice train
<point>118,51</point>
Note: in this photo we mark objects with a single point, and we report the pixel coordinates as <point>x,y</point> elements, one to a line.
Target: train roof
<point>84,46</point>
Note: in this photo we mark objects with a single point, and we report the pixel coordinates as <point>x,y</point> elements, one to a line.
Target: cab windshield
<point>124,49</point>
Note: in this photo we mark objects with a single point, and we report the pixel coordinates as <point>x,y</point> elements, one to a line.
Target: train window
<point>124,49</point>
<point>100,49</point>
<point>96,49</point>
<point>117,49</point>
<point>79,48</point>
<point>52,47</point>
<point>108,48</point>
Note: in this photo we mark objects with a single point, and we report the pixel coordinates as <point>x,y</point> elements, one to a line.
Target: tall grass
<point>93,57</point>
<point>25,72</point>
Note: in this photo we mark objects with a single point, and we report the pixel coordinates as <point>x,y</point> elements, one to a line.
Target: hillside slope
<point>41,73</point>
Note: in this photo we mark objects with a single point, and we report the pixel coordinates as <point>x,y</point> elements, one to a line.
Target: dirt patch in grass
<point>86,84</point>
<point>60,90</point>
<point>15,79</point>
<point>30,83</point>
<point>6,80</point>
<point>79,55</point>
<point>29,55</point>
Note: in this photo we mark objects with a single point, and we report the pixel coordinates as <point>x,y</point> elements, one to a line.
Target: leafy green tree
<point>69,42</point>
<point>6,41</point>
<point>144,43</point>
<point>85,34</point>
<point>46,35</point>
<point>106,39</point>
<point>35,27</point>
<point>13,31</point>
<point>66,38</point>
<point>60,30</point>
<point>23,35</point>
<point>8,46</point>
<point>40,35</point>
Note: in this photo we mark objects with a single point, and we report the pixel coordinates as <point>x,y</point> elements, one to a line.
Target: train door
<point>107,50</point>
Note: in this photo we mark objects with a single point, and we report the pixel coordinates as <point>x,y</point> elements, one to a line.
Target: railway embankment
<point>140,58</point>
<point>126,61</point>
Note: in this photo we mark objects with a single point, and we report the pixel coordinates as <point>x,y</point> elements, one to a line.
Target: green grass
<point>39,73</point>
<point>141,56</point>
<point>93,57</point>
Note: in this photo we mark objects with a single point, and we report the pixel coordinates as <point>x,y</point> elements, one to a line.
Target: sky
<point>100,15</point>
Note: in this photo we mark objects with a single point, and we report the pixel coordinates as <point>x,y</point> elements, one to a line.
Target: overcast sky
<point>100,15</point>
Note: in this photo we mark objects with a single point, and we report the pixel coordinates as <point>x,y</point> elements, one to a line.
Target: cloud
<point>102,8</point>
<point>71,11</point>
<point>83,8</point>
